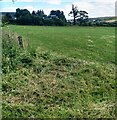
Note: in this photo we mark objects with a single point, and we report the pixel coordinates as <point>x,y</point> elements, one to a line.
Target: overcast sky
<point>95,8</point>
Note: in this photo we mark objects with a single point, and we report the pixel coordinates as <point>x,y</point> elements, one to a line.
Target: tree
<point>7,18</point>
<point>58,17</point>
<point>59,14</point>
<point>21,12</point>
<point>74,12</point>
<point>17,14</point>
<point>33,13</point>
<point>25,20</point>
<point>8,15</point>
<point>40,13</point>
<point>83,17</point>
<point>78,15</point>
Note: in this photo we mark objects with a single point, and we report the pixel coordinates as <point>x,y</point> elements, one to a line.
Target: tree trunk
<point>74,21</point>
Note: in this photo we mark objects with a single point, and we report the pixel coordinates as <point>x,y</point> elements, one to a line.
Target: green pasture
<point>62,72</point>
<point>87,43</point>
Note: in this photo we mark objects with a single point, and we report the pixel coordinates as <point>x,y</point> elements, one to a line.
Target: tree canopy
<point>24,17</point>
<point>78,15</point>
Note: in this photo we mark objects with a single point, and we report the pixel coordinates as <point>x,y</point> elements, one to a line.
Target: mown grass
<point>43,82</point>
<point>89,43</point>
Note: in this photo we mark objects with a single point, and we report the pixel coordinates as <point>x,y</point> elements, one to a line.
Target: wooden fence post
<point>20,41</point>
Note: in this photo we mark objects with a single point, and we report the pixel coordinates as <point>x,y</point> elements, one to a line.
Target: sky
<point>95,8</point>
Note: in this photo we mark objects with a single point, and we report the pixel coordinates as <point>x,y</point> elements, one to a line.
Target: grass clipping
<point>40,84</point>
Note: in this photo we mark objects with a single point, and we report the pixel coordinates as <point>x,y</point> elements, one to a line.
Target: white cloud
<point>95,8</point>
<point>56,2</point>
<point>30,8</point>
<point>9,9</point>
<point>106,1</point>
<point>13,9</point>
<point>67,10</point>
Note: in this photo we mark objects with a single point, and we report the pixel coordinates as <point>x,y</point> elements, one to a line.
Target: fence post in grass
<point>20,41</point>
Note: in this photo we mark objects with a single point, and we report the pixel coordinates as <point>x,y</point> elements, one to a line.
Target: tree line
<point>24,17</point>
<point>55,18</point>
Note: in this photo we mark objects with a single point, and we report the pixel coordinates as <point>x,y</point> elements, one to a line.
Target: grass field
<point>65,72</point>
<point>87,43</point>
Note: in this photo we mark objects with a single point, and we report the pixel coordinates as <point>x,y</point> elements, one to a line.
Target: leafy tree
<point>7,18</point>
<point>18,13</point>
<point>80,16</point>
<point>37,20</point>
<point>40,13</point>
<point>21,12</point>
<point>58,22</point>
<point>74,12</point>
<point>25,20</point>
<point>8,15</point>
<point>59,14</point>
<point>83,17</point>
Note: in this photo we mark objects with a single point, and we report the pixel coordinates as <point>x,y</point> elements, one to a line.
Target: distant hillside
<point>11,13</point>
<point>105,19</point>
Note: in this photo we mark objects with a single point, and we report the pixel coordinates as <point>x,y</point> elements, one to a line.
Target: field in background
<point>88,43</point>
<point>63,72</point>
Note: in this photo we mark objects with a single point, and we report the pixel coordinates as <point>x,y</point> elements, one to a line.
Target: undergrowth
<point>40,84</point>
